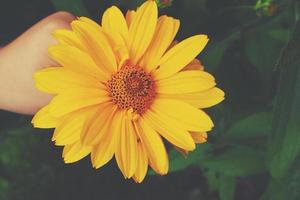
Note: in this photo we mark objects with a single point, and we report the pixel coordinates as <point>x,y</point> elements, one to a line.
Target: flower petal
<point>187,117</point>
<point>165,32</point>
<point>104,151</point>
<point>96,43</point>
<point>183,152</point>
<point>186,82</point>
<point>76,99</point>
<point>180,55</point>
<point>126,153</point>
<point>199,137</point>
<point>141,30</point>
<point>98,124</point>
<point>203,99</point>
<point>67,37</point>
<point>90,22</point>
<point>129,16</point>
<point>154,147</point>
<point>60,79</point>
<point>75,152</point>
<point>194,65</point>
<point>69,129</point>
<point>119,46</point>
<point>113,19</point>
<point>43,119</point>
<point>77,60</point>
<point>129,148</point>
<point>168,128</point>
<point>142,165</point>
<point>118,155</point>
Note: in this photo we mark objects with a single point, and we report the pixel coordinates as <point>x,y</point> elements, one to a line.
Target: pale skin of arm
<point>21,58</point>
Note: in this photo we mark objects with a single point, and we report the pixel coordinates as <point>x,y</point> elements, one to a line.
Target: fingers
<point>21,58</point>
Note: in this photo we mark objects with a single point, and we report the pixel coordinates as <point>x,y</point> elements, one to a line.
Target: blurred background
<point>253,151</point>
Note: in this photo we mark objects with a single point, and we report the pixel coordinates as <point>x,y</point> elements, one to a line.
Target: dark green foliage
<point>238,161</point>
<point>253,126</point>
<point>180,162</point>
<point>213,56</point>
<point>284,143</point>
<point>76,6</point>
<point>226,187</point>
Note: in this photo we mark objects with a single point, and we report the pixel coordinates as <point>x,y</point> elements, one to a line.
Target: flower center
<point>132,87</point>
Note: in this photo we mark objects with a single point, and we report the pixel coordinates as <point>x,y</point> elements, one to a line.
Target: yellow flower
<point>123,86</point>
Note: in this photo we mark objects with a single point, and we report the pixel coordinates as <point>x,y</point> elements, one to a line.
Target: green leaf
<point>281,35</point>
<point>289,148</point>
<point>216,50</point>
<point>224,184</point>
<point>164,3</point>
<point>263,51</point>
<point>284,142</point>
<point>4,188</point>
<point>264,7</point>
<point>13,147</point>
<point>212,179</point>
<point>238,161</point>
<point>287,187</point>
<point>180,162</point>
<point>257,124</point>
<point>76,7</point>
<point>226,187</point>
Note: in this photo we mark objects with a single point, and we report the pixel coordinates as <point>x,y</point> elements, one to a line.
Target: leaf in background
<point>212,179</point>
<point>180,162</point>
<point>226,187</point>
<point>290,146</point>
<point>238,161</point>
<point>164,3</point>
<point>265,7</point>
<point>4,188</point>
<point>224,184</point>
<point>212,57</point>
<point>74,6</point>
<point>286,188</point>
<point>257,124</point>
<point>284,142</point>
<point>12,148</point>
<point>281,35</point>
<point>263,52</point>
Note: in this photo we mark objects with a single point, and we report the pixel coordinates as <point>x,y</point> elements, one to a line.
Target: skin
<point>21,58</point>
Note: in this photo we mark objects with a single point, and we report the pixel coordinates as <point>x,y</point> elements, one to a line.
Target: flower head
<point>122,86</point>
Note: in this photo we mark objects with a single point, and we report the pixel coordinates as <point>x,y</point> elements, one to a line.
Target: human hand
<point>21,58</point>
